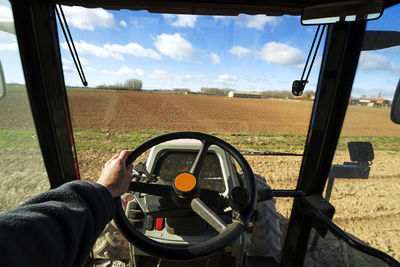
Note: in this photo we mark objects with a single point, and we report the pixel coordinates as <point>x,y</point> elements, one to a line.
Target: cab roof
<point>216,7</point>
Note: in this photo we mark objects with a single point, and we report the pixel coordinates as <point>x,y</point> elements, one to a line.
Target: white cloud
<point>281,54</point>
<point>7,37</point>
<point>165,76</point>
<point>5,13</point>
<point>191,77</point>
<point>227,78</point>
<point>185,21</point>
<point>8,42</point>
<point>9,47</point>
<point>239,51</point>
<point>83,61</point>
<point>88,19</point>
<point>214,58</point>
<point>174,46</point>
<point>125,71</point>
<point>372,61</point>
<point>91,49</point>
<point>250,21</point>
<point>68,69</point>
<point>159,74</point>
<point>114,51</point>
<point>224,20</point>
<point>133,49</point>
<point>66,61</point>
<point>123,24</point>
<point>259,21</point>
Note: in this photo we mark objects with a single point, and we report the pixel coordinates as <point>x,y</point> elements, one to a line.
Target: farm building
<point>374,102</point>
<point>244,94</point>
<point>366,101</point>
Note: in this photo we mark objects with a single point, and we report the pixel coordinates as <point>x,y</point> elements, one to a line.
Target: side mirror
<point>395,112</point>
<point>298,87</point>
<point>2,82</point>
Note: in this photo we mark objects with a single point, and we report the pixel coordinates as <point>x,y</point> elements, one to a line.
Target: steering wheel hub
<point>185,185</point>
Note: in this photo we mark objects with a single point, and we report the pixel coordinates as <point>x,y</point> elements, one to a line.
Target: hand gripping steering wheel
<point>184,192</point>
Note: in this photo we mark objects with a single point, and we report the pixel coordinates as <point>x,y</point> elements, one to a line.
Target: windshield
<point>231,77</point>
<point>149,74</point>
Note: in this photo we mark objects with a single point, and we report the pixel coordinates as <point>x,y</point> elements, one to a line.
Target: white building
<point>244,94</point>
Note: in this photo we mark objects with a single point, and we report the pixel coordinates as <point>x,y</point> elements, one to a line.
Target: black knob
<point>239,198</point>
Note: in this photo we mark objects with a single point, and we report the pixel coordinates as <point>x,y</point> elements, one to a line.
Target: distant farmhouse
<point>371,102</point>
<point>244,94</point>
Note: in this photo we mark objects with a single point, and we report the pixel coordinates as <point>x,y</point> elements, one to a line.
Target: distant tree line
<point>131,85</point>
<point>285,94</point>
<point>136,85</point>
<point>282,94</point>
<point>181,91</point>
<point>216,91</point>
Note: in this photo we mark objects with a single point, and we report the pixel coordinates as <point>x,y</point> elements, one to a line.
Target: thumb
<point>125,154</point>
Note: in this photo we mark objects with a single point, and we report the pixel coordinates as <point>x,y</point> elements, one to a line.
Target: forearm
<point>57,228</point>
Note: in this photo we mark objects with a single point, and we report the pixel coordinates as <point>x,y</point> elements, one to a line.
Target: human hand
<point>115,175</point>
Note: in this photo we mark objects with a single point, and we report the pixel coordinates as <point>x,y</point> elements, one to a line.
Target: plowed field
<point>130,111</point>
<point>368,209</point>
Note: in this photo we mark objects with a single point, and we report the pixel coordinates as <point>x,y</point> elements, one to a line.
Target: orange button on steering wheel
<point>185,182</point>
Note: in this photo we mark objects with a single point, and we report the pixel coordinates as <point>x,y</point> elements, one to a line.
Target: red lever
<point>159,224</point>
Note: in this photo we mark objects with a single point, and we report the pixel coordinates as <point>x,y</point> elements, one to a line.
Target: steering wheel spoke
<point>151,189</point>
<point>198,162</point>
<point>208,215</point>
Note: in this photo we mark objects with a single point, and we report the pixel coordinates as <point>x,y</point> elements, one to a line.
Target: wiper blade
<point>68,39</point>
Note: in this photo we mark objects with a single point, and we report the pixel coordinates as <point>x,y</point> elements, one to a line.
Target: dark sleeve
<point>56,228</point>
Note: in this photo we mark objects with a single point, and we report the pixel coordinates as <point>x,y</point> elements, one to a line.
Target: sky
<point>247,53</point>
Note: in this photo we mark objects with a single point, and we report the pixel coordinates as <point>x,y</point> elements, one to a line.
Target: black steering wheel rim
<point>182,252</point>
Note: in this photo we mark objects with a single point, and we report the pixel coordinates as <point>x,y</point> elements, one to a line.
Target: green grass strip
<point>18,139</point>
<point>102,140</point>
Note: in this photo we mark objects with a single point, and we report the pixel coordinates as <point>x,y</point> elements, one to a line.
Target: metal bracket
<point>313,204</point>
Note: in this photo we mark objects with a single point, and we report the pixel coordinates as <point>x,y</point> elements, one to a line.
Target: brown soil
<point>366,208</point>
<point>117,111</point>
<point>23,176</point>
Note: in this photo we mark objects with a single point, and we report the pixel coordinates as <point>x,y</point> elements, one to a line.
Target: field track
<point>131,111</point>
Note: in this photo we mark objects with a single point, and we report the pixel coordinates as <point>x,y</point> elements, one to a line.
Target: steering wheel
<point>184,192</point>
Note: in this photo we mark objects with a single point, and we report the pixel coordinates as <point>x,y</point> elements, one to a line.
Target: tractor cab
<point>264,133</point>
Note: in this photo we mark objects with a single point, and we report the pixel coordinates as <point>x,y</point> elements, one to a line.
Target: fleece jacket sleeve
<point>56,228</point>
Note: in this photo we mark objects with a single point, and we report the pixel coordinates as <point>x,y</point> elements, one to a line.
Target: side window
<point>364,179</point>
<point>22,171</point>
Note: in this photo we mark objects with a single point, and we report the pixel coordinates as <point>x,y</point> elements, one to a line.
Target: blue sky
<point>250,53</point>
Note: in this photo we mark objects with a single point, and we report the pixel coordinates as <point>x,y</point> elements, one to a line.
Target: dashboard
<point>170,163</point>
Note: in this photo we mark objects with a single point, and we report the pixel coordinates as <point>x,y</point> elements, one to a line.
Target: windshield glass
<point>149,74</point>
<point>364,182</point>
<point>231,77</point>
<point>22,171</point>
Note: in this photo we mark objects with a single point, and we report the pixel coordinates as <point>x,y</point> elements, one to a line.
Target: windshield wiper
<point>70,42</point>
<point>298,85</point>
